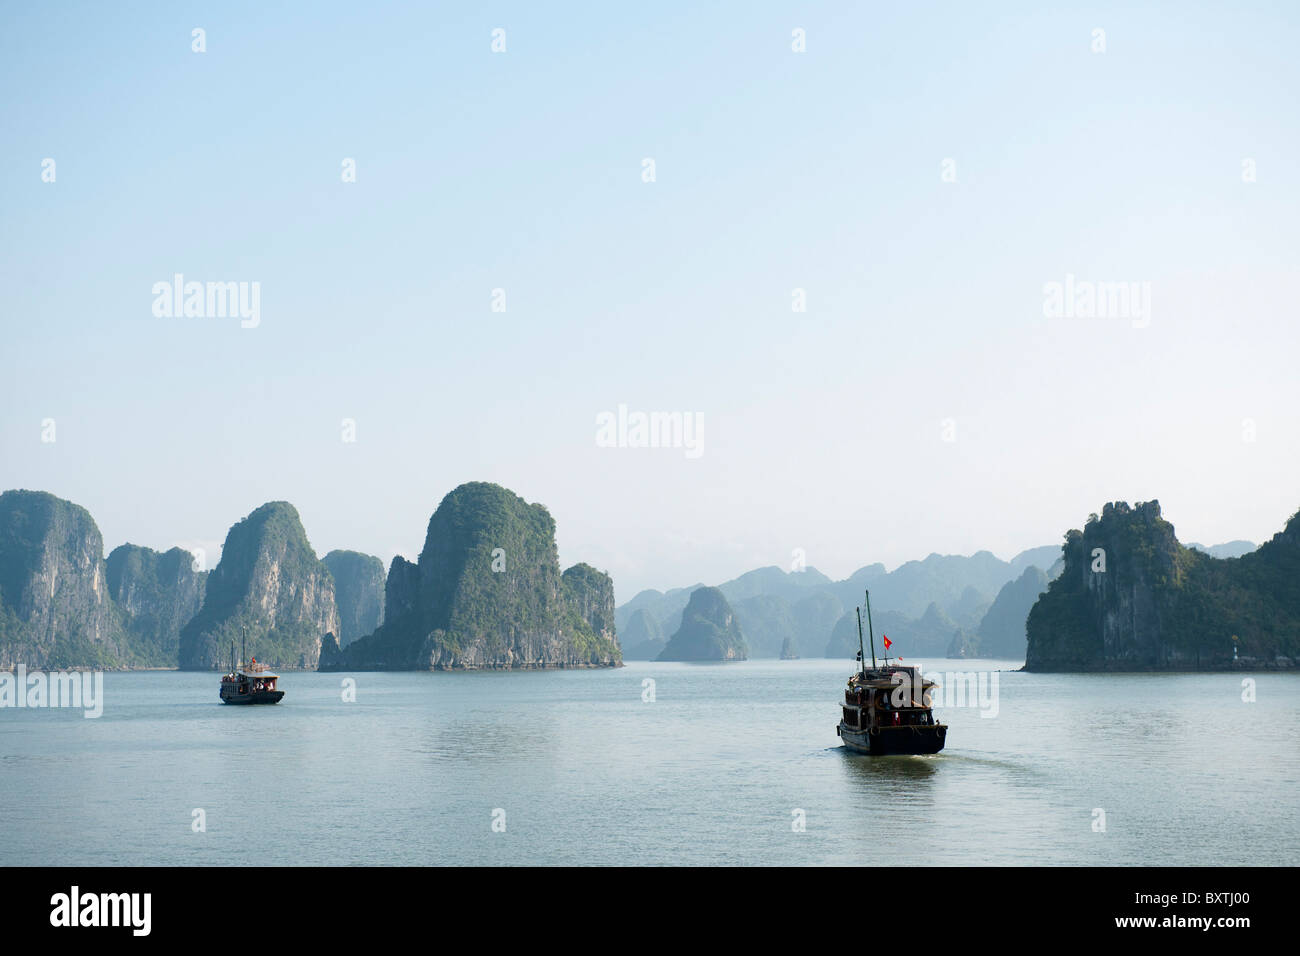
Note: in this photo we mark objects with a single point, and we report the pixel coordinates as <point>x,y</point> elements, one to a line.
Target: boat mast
<point>869,630</point>
<point>862,663</point>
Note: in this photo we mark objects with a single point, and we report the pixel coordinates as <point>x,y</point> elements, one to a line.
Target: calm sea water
<point>710,772</point>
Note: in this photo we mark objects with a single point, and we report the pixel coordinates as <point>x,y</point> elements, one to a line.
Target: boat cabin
<point>872,698</point>
<point>253,681</point>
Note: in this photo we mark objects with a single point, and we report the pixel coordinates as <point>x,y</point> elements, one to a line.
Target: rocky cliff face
<point>1002,631</point>
<point>709,631</point>
<point>643,638</point>
<point>591,594</point>
<point>487,593</point>
<point>359,589</point>
<point>270,585</point>
<point>1132,598</point>
<point>158,594</point>
<point>55,609</point>
<point>402,589</point>
<point>1103,612</point>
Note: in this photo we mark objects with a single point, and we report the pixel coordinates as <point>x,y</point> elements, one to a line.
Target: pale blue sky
<point>775,170</point>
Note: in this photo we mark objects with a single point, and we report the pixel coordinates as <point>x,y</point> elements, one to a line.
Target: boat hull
<point>884,741</point>
<point>256,697</point>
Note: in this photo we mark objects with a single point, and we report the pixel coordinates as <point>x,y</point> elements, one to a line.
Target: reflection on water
<point>890,783</point>
<point>905,769</point>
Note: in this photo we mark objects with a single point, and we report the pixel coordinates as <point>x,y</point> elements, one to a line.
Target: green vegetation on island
<point>270,587</point>
<point>1132,598</point>
<point>358,592</point>
<point>55,609</point>
<point>157,594</point>
<point>487,592</point>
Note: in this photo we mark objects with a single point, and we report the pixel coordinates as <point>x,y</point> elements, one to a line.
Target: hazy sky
<point>923,402</point>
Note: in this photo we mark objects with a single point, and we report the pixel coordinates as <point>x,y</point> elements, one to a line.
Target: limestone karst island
<point>487,592</point>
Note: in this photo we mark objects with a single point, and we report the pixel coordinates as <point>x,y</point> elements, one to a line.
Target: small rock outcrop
<point>709,631</point>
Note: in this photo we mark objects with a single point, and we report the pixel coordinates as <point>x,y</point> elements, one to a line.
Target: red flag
<point>888,642</point>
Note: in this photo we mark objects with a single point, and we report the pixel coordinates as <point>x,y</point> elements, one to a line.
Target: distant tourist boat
<point>873,721</point>
<point>253,683</point>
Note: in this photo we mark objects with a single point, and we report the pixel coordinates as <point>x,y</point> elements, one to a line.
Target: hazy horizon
<point>923,181</point>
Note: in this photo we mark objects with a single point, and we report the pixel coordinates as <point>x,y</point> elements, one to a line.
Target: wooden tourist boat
<point>252,683</point>
<point>886,707</point>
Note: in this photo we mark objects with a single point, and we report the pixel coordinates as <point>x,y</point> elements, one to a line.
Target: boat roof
<point>883,678</point>
<point>256,675</point>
